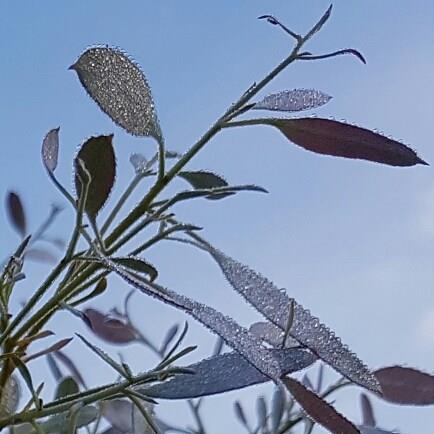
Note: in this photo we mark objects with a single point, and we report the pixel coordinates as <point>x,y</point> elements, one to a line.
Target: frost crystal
<point>293,100</point>
<point>274,304</point>
<point>120,89</point>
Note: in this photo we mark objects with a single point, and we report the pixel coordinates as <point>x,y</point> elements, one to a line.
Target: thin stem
<point>161,157</point>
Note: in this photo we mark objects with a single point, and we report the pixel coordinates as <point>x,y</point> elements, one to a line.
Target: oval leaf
<point>98,155</point>
<point>16,213</point>
<point>329,137</point>
<point>319,410</point>
<point>293,100</point>
<point>138,265</point>
<point>204,180</point>
<point>110,329</point>
<point>407,386</point>
<point>120,89</point>
<point>50,150</point>
<point>211,375</point>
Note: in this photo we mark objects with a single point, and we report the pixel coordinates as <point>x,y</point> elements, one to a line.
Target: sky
<point>350,240</point>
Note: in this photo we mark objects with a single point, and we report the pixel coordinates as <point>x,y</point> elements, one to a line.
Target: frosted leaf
<point>271,334</point>
<point>225,372</point>
<point>10,397</point>
<point>274,304</point>
<point>293,100</point>
<point>234,335</point>
<point>50,150</point>
<point>139,162</point>
<point>120,89</point>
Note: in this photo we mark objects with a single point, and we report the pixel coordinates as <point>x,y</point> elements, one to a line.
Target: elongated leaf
<point>272,334</point>
<point>50,149</point>
<point>100,287</point>
<point>407,386</point>
<point>234,335</point>
<point>25,374</point>
<point>330,137</point>
<point>16,213</point>
<point>368,417</point>
<point>225,372</point>
<point>319,410</point>
<point>55,424</point>
<point>118,412</point>
<point>70,365</point>
<point>110,329</point>
<point>277,408</point>
<point>38,254</point>
<point>170,335</point>
<point>139,162</point>
<point>54,368</point>
<point>55,347</point>
<point>239,413</point>
<point>293,100</point>
<point>98,155</point>
<point>201,180</point>
<point>274,304</point>
<point>139,265</point>
<point>67,386</point>
<point>120,89</point>
<point>261,412</point>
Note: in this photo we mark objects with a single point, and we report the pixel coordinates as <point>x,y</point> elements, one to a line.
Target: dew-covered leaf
<point>407,386</point>
<point>294,100</point>
<point>138,265</point>
<point>274,304</point>
<point>368,417</point>
<point>330,137</point>
<point>16,213</point>
<point>120,88</point>
<point>225,372</point>
<point>98,156</point>
<point>139,163</point>
<point>272,334</point>
<point>50,150</point>
<point>110,329</point>
<point>318,409</point>
<point>67,386</point>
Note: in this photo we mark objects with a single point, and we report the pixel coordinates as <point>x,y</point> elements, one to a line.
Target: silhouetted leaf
<point>139,162</point>
<point>16,213</point>
<point>25,374</point>
<point>239,413</point>
<point>211,375</point>
<point>120,89</point>
<point>203,180</point>
<point>277,408</point>
<point>67,386</point>
<point>368,417</point>
<point>329,137</point>
<point>55,424</point>
<point>38,254</point>
<point>50,150</point>
<point>55,347</point>
<point>110,329</point>
<point>54,368</point>
<point>319,410</point>
<point>10,397</point>
<point>70,365</point>
<point>98,156</point>
<point>261,411</point>
<point>138,265</point>
<point>293,100</point>
<point>408,386</point>
<point>171,333</point>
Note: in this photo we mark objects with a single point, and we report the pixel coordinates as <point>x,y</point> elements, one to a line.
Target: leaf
<point>277,408</point>
<point>261,411</point>
<point>98,156</point>
<point>25,374</point>
<point>139,163</point>
<point>118,412</point>
<point>120,89</point>
<point>170,335</point>
<point>70,365</point>
<point>67,386</point>
<point>50,149</point>
<point>10,397</point>
<point>139,265</point>
<point>203,180</point>
<point>274,304</point>
<point>239,412</point>
<point>329,137</point>
<point>293,100</point>
<point>406,386</point>
<point>44,256</point>
<point>55,347</point>
<point>54,368</point>
<point>16,213</point>
<point>110,329</point>
<point>368,417</point>
<point>319,410</point>
<point>100,287</point>
<point>211,375</point>
<point>272,334</point>
<point>55,424</point>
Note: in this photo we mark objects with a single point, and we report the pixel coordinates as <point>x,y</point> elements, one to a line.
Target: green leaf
<point>139,265</point>
<point>25,373</point>
<point>98,156</point>
<point>201,179</point>
<point>10,397</point>
<point>67,386</point>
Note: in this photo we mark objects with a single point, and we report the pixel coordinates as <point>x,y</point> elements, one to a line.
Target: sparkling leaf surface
<point>50,150</point>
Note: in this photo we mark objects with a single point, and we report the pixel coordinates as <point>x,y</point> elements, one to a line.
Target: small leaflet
<point>294,100</point>
<point>50,149</point>
<point>120,88</point>
<point>225,372</point>
<point>274,304</point>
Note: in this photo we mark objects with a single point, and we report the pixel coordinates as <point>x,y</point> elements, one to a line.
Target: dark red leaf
<point>329,137</point>
<point>56,347</point>
<point>98,156</point>
<point>368,417</point>
<point>319,410</point>
<point>407,386</point>
<point>16,214</point>
<point>110,329</point>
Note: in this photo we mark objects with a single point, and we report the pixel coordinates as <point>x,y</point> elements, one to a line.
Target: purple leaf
<point>53,348</point>
<point>368,417</point>
<point>16,213</point>
<point>44,256</point>
<point>318,409</point>
<point>98,156</point>
<point>50,150</point>
<point>406,386</point>
<point>293,100</point>
<point>120,89</point>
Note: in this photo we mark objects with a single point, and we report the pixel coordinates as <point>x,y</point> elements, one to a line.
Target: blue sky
<point>352,241</point>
